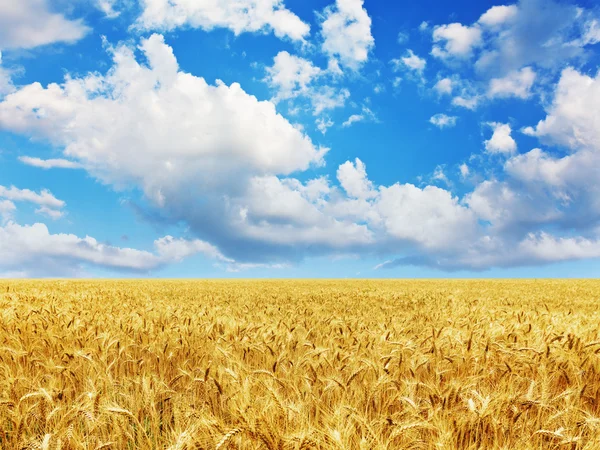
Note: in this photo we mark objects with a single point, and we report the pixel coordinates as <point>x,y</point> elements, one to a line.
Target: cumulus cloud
<point>533,32</point>
<point>353,179</point>
<point>291,75</point>
<point>538,166</point>
<point>228,166</point>
<point>566,184</point>
<point>508,38</point>
<point>455,40</point>
<point>573,119</point>
<point>242,16</point>
<point>467,100</point>
<point>346,32</point>
<point>501,140</point>
<point>544,190</point>
<point>47,203</point>
<point>31,23</point>
<point>410,62</point>
<point>186,132</point>
<point>443,121</point>
<point>498,15</point>
<point>199,153</point>
<point>37,252</point>
<point>169,248</point>
<point>108,8</point>
<point>431,217</point>
<point>545,247</point>
<point>444,86</point>
<point>512,47</point>
<point>517,83</point>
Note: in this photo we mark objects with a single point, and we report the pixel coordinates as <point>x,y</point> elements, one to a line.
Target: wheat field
<point>299,365</point>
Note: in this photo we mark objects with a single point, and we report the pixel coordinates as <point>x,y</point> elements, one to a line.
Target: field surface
<point>300,365</point>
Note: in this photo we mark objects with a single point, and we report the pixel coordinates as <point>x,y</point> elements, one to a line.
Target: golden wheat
<point>300,365</point>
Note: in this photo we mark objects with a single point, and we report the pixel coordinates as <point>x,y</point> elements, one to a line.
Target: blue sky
<point>272,138</point>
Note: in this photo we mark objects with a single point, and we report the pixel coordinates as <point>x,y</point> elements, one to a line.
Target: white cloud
<point>511,210</point>
<point>573,118</point>
<point>543,33</point>
<point>35,251</point>
<point>562,182</point>
<point>498,15</point>
<point>430,217</point>
<point>536,191</point>
<point>548,248</point>
<point>221,162</point>
<point>30,23</point>
<point>44,198</point>
<point>54,214</point>
<point>214,157</point>
<point>516,46</point>
<point>443,121</point>
<point>333,67</point>
<point>591,34</point>
<point>196,151</point>
<point>455,40</point>
<point>517,83</point>
<point>468,101</point>
<point>543,190</point>
<point>294,215</point>
<point>465,93</point>
<point>411,62</point>
<point>240,16</point>
<point>108,8</point>
<point>169,249</point>
<point>323,124</point>
<point>49,163</point>
<point>501,140</point>
<point>444,86</point>
<point>7,208</point>
<point>325,98</point>
<point>291,76</point>
<point>366,114</point>
<point>48,204</point>
<point>424,26</point>
<point>353,179</point>
<point>346,31</point>
<point>354,118</point>
<point>6,84</point>
<point>440,175</point>
<point>537,166</point>
<point>114,125</point>
<point>528,131</point>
